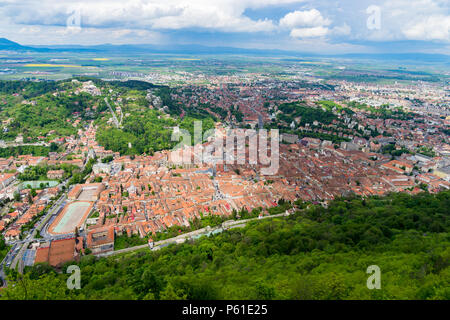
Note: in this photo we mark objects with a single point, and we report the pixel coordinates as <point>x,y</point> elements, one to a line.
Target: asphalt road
<point>21,245</point>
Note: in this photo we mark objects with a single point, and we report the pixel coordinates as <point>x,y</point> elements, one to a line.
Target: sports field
<point>73,215</point>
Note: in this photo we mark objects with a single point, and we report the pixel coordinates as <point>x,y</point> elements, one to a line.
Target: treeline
<point>79,176</point>
<point>322,136</point>
<point>330,105</point>
<point>40,171</point>
<point>133,84</point>
<point>176,108</point>
<point>27,89</point>
<point>317,253</point>
<point>165,94</point>
<point>237,114</point>
<point>392,150</point>
<point>49,113</point>
<point>22,150</point>
<point>383,111</point>
<point>129,84</point>
<point>144,133</point>
<point>293,110</point>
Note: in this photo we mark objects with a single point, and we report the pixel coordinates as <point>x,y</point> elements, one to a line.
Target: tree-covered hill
<point>50,109</point>
<point>28,89</point>
<point>146,131</point>
<point>45,108</point>
<point>317,253</point>
<point>293,110</point>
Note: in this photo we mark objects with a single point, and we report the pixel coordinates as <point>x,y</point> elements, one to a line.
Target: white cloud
<point>209,17</point>
<point>309,18</point>
<point>305,24</point>
<point>162,21</point>
<point>308,32</point>
<point>343,30</point>
<point>30,30</point>
<point>430,28</point>
<point>222,15</point>
<point>426,20</point>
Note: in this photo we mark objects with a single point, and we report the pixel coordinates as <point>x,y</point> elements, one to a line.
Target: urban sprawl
<point>337,138</point>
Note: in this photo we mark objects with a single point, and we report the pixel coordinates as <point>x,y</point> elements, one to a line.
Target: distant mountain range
<point>6,44</point>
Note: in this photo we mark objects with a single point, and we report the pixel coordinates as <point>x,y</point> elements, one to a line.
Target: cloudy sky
<point>323,26</point>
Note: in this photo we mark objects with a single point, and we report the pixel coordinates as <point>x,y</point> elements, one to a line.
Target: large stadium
<point>73,216</point>
<point>75,213</point>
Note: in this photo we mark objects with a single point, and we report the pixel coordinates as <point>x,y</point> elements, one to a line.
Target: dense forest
<point>53,110</point>
<point>383,112</point>
<point>290,111</point>
<point>21,150</point>
<point>330,105</point>
<point>28,89</point>
<point>39,172</point>
<point>316,253</point>
<point>116,84</point>
<point>42,108</point>
<point>323,136</point>
<point>51,107</point>
<point>146,132</point>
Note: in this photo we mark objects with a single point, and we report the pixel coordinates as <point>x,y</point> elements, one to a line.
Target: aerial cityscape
<point>213,170</point>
